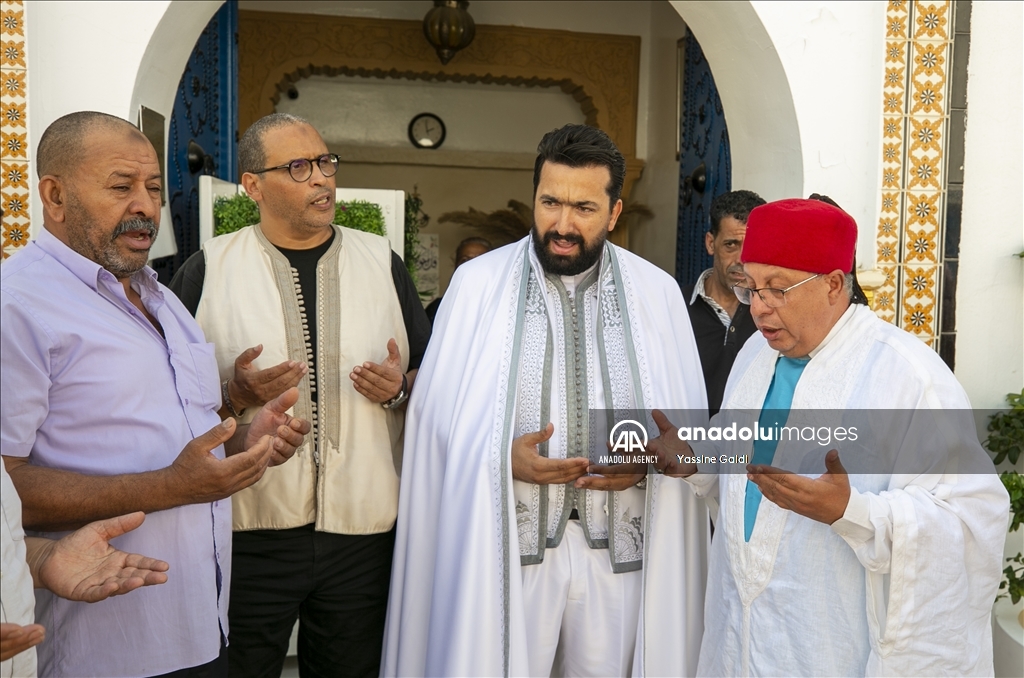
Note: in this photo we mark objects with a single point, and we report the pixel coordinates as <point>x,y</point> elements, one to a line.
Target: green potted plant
<point>239,211</point>
<point>1006,442</point>
<point>415,219</point>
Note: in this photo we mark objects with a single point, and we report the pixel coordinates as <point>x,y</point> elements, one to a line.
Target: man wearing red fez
<point>884,562</point>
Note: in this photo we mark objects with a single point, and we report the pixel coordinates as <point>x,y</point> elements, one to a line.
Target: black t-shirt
<point>188,286</point>
<point>717,344</point>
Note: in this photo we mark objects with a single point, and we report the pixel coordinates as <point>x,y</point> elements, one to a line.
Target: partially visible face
<point>112,201</point>
<point>306,206</point>
<point>572,217</point>
<point>796,328</point>
<point>469,251</point>
<point>725,248</point>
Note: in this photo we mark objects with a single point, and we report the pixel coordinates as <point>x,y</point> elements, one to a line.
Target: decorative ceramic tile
<point>922,212</point>
<point>14,113</point>
<point>918,318</point>
<point>14,175</point>
<point>12,83</point>
<point>915,93</point>
<point>12,20</point>
<point>923,171</point>
<point>920,287</point>
<point>931,20</point>
<point>927,97</point>
<point>920,283</point>
<point>14,142</point>
<point>15,234</point>
<point>12,53</point>
<point>15,205</point>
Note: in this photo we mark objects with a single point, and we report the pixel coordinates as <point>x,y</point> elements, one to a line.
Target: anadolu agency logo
<point>628,442</point>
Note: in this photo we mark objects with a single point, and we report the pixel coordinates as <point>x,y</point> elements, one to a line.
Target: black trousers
<point>218,668</point>
<point>336,584</point>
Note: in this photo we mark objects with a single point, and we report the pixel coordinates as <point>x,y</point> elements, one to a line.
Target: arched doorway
<point>764,136</point>
<point>755,93</point>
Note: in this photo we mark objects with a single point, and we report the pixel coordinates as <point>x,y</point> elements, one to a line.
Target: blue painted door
<point>705,167</point>
<point>204,124</point>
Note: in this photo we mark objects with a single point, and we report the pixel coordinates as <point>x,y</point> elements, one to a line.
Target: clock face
<point>426,131</point>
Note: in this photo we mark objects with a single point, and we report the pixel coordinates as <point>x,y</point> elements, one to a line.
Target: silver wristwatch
<point>402,396</point>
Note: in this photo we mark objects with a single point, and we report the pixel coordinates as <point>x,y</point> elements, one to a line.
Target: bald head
<point>252,152</point>
<point>62,145</point>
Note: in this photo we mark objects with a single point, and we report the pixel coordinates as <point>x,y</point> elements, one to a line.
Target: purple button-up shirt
<point>89,385</point>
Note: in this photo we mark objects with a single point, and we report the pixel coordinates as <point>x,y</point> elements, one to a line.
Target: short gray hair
<point>60,148</point>
<point>252,155</point>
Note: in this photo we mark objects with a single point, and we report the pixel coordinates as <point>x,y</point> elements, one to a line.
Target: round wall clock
<point>426,130</point>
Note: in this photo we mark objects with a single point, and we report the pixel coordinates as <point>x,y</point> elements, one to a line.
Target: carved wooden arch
<point>601,72</point>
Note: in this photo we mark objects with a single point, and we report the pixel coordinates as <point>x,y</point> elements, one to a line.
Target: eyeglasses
<point>301,169</point>
<point>772,298</point>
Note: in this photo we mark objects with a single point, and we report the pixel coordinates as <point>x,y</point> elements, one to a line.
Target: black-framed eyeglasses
<point>301,169</point>
<point>772,297</point>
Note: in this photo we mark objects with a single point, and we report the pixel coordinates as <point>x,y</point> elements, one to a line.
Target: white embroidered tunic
<point>508,348</point>
<point>903,583</point>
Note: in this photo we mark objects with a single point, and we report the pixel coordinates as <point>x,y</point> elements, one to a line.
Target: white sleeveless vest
<point>348,482</point>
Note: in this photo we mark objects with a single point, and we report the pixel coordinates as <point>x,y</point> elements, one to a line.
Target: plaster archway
<point>751,79</point>
<point>167,53</point>
<point>764,135</point>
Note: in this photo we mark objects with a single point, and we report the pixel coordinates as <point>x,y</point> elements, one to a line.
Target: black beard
<point>562,265</point>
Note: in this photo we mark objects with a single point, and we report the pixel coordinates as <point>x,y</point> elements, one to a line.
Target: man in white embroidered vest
<point>883,563</point>
<point>108,405</point>
<point>316,541</point>
<point>511,559</point>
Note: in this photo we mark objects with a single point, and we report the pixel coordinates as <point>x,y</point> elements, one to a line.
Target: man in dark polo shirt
<point>721,324</point>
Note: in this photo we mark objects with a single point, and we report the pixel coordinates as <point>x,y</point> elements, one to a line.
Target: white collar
<point>840,324</point>
<point>571,282</point>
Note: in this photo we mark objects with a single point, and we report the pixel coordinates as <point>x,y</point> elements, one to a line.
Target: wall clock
<point>426,130</point>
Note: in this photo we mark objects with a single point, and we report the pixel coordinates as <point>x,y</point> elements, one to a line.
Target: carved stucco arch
<point>576,91</point>
<point>601,72</point>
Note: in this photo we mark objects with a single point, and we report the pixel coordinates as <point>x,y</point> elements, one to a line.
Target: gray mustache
<point>147,226</point>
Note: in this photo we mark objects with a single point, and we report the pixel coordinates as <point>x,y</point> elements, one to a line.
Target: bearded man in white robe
<point>517,554</point>
<point>888,568</point>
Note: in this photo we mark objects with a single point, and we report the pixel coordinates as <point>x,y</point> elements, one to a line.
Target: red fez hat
<point>805,235</point>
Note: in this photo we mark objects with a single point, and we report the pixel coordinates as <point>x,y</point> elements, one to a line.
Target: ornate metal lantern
<point>449,27</point>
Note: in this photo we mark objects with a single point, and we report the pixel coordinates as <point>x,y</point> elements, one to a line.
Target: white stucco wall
<point>990,286</point>
<point>764,137</point>
<point>800,83</point>
<point>823,62</point>
<point>102,56</point>
<point>658,188</point>
<point>833,53</point>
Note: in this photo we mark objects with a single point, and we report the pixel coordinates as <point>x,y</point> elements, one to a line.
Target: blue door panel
<point>704,145</point>
<point>202,135</point>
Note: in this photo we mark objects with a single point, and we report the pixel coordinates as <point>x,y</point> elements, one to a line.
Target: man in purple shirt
<point>109,405</point>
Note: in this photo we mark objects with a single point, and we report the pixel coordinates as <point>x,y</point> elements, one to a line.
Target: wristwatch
<point>402,396</point>
<point>227,400</point>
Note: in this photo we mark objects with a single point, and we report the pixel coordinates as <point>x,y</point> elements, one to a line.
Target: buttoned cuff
<point>855,526</point>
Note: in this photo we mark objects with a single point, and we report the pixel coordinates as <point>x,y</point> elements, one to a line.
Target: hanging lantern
<point>449,28</point>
